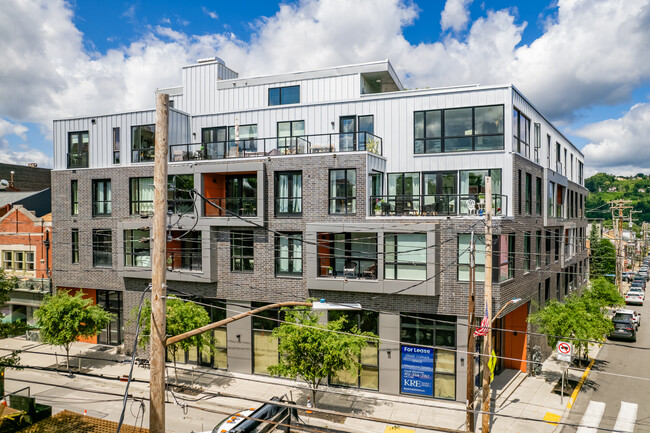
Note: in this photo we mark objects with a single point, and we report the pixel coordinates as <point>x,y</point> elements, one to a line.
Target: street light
<point>512,301</point>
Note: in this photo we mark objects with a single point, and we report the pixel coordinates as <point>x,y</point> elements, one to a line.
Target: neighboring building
<point>335,184</point>
<point>23,178</point>
<point>26,253</point>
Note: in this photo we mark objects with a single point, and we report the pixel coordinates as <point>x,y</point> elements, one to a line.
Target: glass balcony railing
<point>255,147</point>
<point>434,205</point>
<point>231,206</point>
<point>78,160</point>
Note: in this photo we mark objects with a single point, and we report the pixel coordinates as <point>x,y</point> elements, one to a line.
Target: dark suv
<point>638,282</point>
<point>624,327</point>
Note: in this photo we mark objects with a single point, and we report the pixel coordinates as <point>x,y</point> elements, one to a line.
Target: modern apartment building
<point>337,184</point>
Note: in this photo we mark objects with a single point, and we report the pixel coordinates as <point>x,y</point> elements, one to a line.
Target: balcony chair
<point>350,269</point>
<point>370,272</point>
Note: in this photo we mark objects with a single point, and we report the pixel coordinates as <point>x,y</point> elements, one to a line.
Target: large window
<point>101,197</point>
<point>343,191</point>
<point>265,347</point>
<point>521,133</point>
<point>288,254</point>
<point>291,137</point>
<point>78,149</point>
<point>102,248</point>
<point>141,195</point>
<point>288,193</point>
<point>242,251</point>
<point>284,95</point>
<point>137,251</point>
<point>349,255</point>
<point>179,199</point>
<point>74,244</point>
<point>458,129</point>
<point>405,256</point>
<point>142,143</point>
<point>18,261</point>
<point>184,251</point>
<point>357,133</point>
<point>538,141</point>
<point>241,194</point>
<point>550,213</point>
<point>527,245</point>
<point>404,192</point>
<point>111,301</point>
<point>368,376</point>
<point>74,197</point>
<point>503,252</point>
<point>472,183</point>
<point>428,371</point>
<point>538,196</point>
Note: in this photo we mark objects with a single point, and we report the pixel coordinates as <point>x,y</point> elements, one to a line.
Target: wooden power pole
<point>470,338</point>
<point>487,344</point>
<point>159,270</point>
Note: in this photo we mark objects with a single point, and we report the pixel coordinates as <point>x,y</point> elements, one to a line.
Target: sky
<point>583,63</point>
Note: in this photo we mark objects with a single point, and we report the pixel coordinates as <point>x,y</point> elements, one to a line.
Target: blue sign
<point>417,370</point>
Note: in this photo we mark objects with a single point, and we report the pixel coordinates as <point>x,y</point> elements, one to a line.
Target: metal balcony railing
<point>434,205</point>
<point>255,147</point>
<point>185,261</point>
<point>231,206</point>
<point>352,267</point>
<point>78,160</point>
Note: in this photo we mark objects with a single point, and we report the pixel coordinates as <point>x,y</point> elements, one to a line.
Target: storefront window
<point>428,371</point>
<point>265,347</point>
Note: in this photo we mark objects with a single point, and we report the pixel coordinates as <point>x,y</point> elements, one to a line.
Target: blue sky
<point>583,63</point>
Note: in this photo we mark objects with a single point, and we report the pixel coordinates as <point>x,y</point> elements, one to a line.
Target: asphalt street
<point>607,395</point>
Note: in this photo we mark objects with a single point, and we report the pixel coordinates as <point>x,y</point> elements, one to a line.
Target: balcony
<point>78,160</point>
<point>231,206</point>
<point>184,261</point>
<point>256,147</point>
<point>435,205</point>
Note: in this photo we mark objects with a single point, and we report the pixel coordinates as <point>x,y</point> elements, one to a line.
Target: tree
<point>313,351</point>
<point>63,319</point>
<point>581,317</point>
<point>10,328</point>
<point>602,257</point>
<point>181,317</point>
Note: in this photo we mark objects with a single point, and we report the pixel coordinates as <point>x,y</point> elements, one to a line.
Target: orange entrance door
<point>514,347</point>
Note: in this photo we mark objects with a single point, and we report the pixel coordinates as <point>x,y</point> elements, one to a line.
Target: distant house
<point>612,189</point>
<point>24,178</point>
<point>641,190</point>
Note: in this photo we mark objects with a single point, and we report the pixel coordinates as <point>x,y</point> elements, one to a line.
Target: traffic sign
<point>564,351</point>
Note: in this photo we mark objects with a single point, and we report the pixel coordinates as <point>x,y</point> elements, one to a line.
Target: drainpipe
<point>48,272</point>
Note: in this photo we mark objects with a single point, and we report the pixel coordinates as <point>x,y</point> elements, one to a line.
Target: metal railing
<point>255,147</point>
<point>78,160</point>
<point>354,268</point>
<point>435,204</point>
<point>186,261</point>
<point>144,154</point>
<point>230,206</point>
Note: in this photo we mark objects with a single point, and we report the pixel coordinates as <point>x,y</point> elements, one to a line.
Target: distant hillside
<point>605,187</point>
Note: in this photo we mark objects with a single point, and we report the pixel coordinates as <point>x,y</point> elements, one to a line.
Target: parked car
<point>636,317</point>
<point>252,420</point>
<point>624,327</point>
<point>638,283</point>
<point>627,276</point>
<point>635,296</point>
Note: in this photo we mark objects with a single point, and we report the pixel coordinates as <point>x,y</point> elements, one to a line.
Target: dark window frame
<point>74,244</point>
<point>280,98</point>
<point>74,197</point>
<point>102,258</point>
<point>140,153</point>
<point>116,145</point>
<point>442,137</point>
<point>528,208</point>
<point>396,263</point>
<point>80,158</point>
<point>518,140</point>
<point>527,251</point>
<point>243,262</point>
<point>348,201</point>
<point>130,252</point>
<point>106,204</point>
<point>538,196</point>
<point>291,197</point>
<point>293,238</point>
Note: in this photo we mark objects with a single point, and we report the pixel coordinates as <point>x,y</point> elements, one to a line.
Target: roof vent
<point>211,59</point>
<point>32,164</point>
<point>4,184</point>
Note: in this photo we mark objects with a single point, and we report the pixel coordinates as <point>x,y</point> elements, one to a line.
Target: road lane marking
<point>579,385</point>
<point>591,418</point>
<point>626,417</point>
<point>552,418</point>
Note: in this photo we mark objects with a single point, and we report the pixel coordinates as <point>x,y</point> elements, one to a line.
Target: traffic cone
<point>309,405</point>
<point>85,412</point>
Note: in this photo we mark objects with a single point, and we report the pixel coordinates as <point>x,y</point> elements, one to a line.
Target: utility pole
<point>617,207</point>
<point>159,270</point>
<point>645,240</point>
<point>487,343</point>
<point>470,338</point>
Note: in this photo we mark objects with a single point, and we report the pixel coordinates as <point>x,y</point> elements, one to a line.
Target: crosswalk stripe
<point>592,417</point>
<point>626,417</point>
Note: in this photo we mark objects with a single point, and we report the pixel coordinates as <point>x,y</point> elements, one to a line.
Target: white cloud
<point>210,13</point>
<point>8,128</point>
<point>619,146</point>
<point>455,15</point>
<point>26,157</point>
<point>591,52</point>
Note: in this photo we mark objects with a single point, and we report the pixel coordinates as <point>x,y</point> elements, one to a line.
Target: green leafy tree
<point>313,351</point>
<point>182,317</point>
<point>63,319</point>
<point>603,293</point>
<point>602,260</point>
<point>10,328</point>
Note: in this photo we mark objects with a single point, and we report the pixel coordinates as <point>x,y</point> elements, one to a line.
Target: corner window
<point>288,254</point>
<point>74,197</point>
<point>242,254</point>
<point>458,129</point>
<point>102,248</point>
<point>284,95</point>
<point>406,256</point>
<point>521,133</point>
<point>101,197</point>
<point>288,193</point>
<point>142,143</point>
<point>74,243</point>
<point>137,251</point>
<point>343,191</point>
<point>78,149</point>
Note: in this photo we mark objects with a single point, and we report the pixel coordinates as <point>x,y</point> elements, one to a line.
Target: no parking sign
<point>564,351</point>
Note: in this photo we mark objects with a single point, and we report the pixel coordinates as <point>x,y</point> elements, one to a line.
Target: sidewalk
<point>514,394</point>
